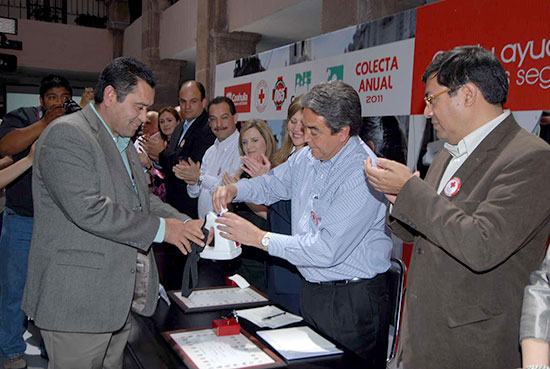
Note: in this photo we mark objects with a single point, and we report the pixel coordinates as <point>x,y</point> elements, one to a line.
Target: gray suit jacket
<point>90,259</point>
<point>535,315</point>
<point>473,252</point>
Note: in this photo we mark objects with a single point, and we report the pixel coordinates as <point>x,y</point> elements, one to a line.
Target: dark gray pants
<point>355,315</point>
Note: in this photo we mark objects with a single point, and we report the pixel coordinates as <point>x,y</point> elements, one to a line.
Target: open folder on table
<point>298,342</point>
<point>269,316</point>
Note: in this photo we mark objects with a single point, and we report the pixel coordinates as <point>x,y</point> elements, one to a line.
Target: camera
<point>71,106</point>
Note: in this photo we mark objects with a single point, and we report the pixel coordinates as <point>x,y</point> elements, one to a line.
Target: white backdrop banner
<point>382,75</point>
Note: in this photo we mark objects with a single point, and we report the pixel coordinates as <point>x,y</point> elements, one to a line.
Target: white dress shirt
<point>221,157</point>
<point>466,146</point>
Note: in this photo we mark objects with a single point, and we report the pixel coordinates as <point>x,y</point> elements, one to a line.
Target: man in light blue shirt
<point>339,242</point>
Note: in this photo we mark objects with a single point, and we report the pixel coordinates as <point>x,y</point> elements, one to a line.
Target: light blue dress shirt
<point>338,228</point>
<point>186,126</point>
<point>122,144</point>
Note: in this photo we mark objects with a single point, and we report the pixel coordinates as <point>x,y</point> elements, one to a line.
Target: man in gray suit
<point>90,260</point>
<point>479,221</point>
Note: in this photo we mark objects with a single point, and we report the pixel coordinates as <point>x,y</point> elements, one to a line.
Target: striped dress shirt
<point>338,228</point>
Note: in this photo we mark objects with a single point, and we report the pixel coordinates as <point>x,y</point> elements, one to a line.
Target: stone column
<point>166,70</point>
<point>215,44</point>
<point>339,14</point>
<point>117,22</point>
<point>204,64</point>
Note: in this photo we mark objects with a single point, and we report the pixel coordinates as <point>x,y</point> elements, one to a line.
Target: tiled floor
<point>32,355</point>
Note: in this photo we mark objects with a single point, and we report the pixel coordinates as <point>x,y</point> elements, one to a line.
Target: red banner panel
<point>240,94</point>
<point>517,32</point>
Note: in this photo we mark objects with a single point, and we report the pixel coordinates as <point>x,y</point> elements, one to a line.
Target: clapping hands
<point>256,167</point>
<point>189,171</point>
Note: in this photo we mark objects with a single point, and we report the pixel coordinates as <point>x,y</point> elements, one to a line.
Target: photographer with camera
<point>87,96</point>
<point>18,131</point>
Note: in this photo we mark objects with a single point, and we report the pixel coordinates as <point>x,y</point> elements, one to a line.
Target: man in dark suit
<point>90,260</point>
<point>190,140</point>
<point>479,221</point>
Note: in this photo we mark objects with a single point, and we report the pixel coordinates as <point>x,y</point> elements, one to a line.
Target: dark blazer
<point>198,139</point>
<point>90,259</point>
<point>473,252</point>
<point>283,279</point>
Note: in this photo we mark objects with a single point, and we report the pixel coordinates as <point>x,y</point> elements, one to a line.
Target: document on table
<point>269,316</point>
<point>298,342</point>
<point>203,349</point>
<point>222,296</point>
<point>219,297</point>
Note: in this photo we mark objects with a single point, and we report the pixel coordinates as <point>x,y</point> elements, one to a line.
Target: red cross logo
<point>261,97</point>
<point>452,187</point>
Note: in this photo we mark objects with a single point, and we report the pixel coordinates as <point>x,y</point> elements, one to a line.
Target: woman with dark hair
<point>168,119</point>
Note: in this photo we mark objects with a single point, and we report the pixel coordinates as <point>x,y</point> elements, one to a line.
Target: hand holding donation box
<point>223,249</point>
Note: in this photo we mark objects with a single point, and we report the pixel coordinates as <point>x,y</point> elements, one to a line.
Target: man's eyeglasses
<point>429,99</point>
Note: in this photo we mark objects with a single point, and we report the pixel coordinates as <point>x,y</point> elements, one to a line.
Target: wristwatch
<point>201,178</point>
<point>265,241</point>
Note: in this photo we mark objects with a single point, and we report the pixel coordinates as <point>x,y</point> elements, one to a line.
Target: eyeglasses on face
<point>429,99</point>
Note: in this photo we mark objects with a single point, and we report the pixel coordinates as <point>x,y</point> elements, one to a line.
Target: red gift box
<point>226,327</point>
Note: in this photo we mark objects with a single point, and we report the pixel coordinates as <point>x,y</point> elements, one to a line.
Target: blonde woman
<point>294,137</point>
<point>257,146</point>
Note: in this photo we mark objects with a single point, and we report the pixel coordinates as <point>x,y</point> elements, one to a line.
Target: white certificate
<point>220,297</point>
<point>203,349</point>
